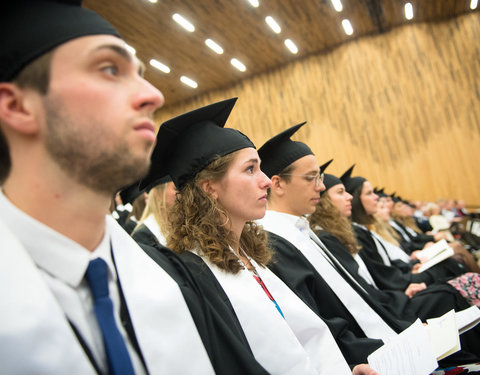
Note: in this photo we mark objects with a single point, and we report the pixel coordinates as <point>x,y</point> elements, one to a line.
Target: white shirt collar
<point>273,218</point>
<point>51,251</point>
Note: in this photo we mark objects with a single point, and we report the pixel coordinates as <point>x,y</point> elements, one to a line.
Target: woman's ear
<point>209,188</point>
<point>17,108</point>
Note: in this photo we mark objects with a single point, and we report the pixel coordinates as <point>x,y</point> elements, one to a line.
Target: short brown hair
<point>35,76</point>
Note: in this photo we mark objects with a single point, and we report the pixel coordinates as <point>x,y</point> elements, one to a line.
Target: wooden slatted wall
<point>404,106</point>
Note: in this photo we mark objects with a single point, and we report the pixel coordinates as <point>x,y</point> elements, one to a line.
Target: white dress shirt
<point>61,264</point>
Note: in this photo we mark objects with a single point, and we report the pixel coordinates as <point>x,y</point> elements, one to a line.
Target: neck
<point>275,205</point>
<point>70,209</point>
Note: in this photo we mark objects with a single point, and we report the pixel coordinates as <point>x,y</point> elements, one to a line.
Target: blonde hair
<point>385,231</point>
<point>197,221</point>
<point>156,206</point>
<point>329,218</point>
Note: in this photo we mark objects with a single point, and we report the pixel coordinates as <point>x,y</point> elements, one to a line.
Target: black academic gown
<point>291,266</point>
<point>217,324</point>
<point>394,278</point>
<point>143,235</point>
<point>432,302</point>
<point>388,277</point>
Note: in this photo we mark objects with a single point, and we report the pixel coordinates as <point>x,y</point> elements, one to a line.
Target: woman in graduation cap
<point>331,223</point>
<point>221,191</point>
<point>378,254</point>
<point>390,271</point>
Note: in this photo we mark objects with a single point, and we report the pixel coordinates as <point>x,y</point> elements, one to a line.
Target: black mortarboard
<point>187,143</point>
<point>379,192</point>
<point>130,193</point>
<point>329,181</point>
<point>31,28</point>
<point>280,151</point>
<point>351,183</point>
<point>325,165</point>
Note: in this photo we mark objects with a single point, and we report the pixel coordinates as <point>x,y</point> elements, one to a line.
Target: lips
<point>147,130</point>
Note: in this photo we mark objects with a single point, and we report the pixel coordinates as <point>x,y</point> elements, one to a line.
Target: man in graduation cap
<point>295,191</point>
<point>357,321</point>
<point>78,295</point>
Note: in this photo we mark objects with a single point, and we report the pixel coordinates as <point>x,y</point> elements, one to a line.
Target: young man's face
<point>99,113</point>
<point>302,193</point>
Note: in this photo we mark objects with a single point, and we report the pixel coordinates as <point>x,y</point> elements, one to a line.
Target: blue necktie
<point>117,354</point>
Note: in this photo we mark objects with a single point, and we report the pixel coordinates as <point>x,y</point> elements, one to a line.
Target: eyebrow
<point>123,53</point>
<point>253,160</point>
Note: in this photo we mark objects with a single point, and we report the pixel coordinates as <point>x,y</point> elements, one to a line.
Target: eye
<point>310,178</point>
<point>250,169</point>
<point>110,69</point>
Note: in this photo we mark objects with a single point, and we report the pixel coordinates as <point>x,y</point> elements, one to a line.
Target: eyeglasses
<point>318,178</point>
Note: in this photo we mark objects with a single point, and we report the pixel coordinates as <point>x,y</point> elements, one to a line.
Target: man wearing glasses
<point>297,181</point>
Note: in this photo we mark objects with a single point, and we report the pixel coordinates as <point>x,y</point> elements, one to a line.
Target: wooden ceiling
<point>241,30</point>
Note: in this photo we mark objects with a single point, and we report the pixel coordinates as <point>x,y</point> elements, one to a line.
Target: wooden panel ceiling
<point>240,29</point>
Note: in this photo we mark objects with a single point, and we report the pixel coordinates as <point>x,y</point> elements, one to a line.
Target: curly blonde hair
<point>197,221</point>
<point>328,217</point>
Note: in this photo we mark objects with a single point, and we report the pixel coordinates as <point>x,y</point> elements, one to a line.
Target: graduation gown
<point>143,235</point>
<point>36,337</point>
<point>303,346</point>
<point>211,310</point>
<point>390,277</point>
<point>434,301</point>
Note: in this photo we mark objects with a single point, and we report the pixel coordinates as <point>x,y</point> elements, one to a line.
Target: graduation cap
<point>280,151</point>
<point>351,183</point>
<point>380,192</point>
<point>325,165</point>
<point>30,28</point>
<point>130,193</point>
<point>187,143</point>
<point>329,180</point>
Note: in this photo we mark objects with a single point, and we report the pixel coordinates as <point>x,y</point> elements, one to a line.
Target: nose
<point>322,186</point>
<point>265,182</point>
<point>148,97</point>
<point>375,197</point>
<point>349,196</point>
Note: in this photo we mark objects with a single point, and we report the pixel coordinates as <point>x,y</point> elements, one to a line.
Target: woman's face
<point>243,189</point>
<point>368,198</point>
<point>383,213</point>
<point>341,199</point>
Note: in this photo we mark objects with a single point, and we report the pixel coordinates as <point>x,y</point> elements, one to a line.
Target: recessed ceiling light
<point>153,1</point>
<point>273,24</point>
<point>253,3</point>
<point>157,64</point>
<point>337,4</point>
<point>473,4</point>
<point>183,22</point>
<point>347,26</point>
<point>238,64</point>
<point>214,46</point>
<point>131,49</point>
<point>189,82</point>
<point>408,11</point>
<point>291,46</point>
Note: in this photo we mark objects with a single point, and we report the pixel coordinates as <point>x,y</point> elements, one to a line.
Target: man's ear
<point>277,186</point>
<point>17,108</point>
<point>209,188</point>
